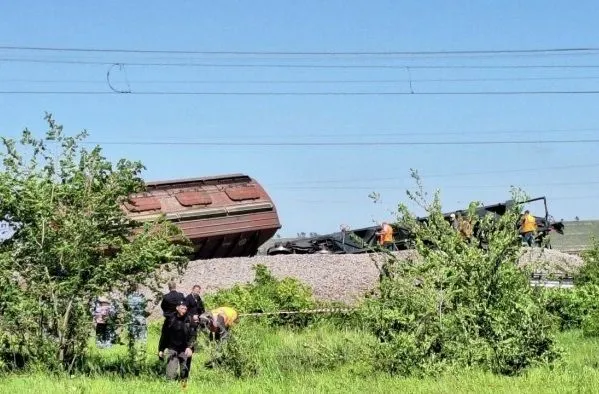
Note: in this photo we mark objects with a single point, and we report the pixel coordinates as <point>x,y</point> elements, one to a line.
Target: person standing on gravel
<point>464,227</point>
<point>528,227</point>
<point>454,222</point>
<point>177,341</point>
<point>386,236</point>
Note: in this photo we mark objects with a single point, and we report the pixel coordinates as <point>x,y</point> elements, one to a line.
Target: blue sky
<point>297,177</point>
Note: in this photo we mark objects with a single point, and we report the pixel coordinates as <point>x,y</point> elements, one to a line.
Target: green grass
<point>323,359</point>
<point>577,235</point>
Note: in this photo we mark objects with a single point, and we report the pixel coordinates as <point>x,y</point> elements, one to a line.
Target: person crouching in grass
<point>218,322</point>
<point>177,341</point>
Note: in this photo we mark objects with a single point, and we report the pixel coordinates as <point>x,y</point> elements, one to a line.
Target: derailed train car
<point>223,216</point>
<point>362,240</point>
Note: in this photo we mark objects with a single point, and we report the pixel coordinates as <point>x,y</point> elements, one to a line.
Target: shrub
<point>268,294</point>
<point>589,272</point>
<point>570,306</point>
<point>72,243</point>
<point>461,303</point>
<point>590,324</point>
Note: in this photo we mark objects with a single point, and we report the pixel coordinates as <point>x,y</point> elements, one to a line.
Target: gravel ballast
<point>332,277</point>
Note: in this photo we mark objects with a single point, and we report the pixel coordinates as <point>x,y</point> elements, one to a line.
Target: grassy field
<point>322,359</point>
<point>577,235</point>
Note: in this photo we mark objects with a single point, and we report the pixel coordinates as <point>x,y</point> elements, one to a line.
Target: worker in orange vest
<point>528,227</point>
<point>386,236</point>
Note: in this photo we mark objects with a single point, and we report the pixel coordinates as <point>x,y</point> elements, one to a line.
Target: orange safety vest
<point>529,224</point>
<point>228,314</point>
<point>386,235</point>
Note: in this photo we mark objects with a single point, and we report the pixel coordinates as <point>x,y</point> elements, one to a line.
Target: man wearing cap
<point>177,340</point>
<point>218,321</point>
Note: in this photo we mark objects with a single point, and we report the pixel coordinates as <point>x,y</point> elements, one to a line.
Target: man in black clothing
<point>177,341</point>
<point>171,299</point>
<point>195,305</point>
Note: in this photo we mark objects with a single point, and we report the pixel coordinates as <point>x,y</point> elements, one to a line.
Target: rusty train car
<point>223,216</point>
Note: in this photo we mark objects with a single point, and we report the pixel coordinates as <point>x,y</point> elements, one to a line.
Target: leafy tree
<point>73,242</point>
<point>459,303</point>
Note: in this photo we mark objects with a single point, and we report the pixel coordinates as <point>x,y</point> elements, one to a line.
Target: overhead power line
<point>354,202</point>
<point>301,66</point>
<point>345,143</point>
<point>474,186</point>
<point>445,175</point>
<point>171,93</point>
<point>313,81</point>
<point>301,53</point>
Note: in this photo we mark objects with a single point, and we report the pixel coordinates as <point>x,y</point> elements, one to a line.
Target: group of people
<point>464,227</point>
<point>184,316</point>
<point>106,318</point>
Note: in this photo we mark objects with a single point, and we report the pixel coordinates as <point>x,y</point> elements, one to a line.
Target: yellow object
<point>386,234</point>
<point>465,228</point>
<point>529,223</point>
<point>229,314</point>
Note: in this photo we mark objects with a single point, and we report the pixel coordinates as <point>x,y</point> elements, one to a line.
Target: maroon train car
<point>224,216</point>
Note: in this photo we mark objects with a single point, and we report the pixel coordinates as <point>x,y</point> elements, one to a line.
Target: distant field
<point>577,235</point>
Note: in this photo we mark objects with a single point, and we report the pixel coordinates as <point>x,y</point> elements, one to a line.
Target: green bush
<point>237,354</point>
<point>72,243</point>
<point>461,303</point>
<point>589,272</point>
<point>268,294</point>
<point>570,307</point>
<point>590,324</point>
<point>258,349</point>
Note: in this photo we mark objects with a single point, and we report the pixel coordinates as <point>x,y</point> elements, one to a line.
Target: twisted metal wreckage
<point>364,239</point>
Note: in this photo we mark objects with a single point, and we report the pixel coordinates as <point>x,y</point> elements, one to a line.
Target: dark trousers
<point>177,364</point>
<point>102,334</point>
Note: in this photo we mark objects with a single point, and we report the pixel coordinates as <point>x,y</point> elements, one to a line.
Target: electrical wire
<point>446,175</point>
<point>325,93</point>
<point>316,66</point>
<point>317,201</point>
<point>323,81</point>
<point>344,143</point>
<point>302,53</point>
<point>474,186</point>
